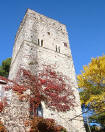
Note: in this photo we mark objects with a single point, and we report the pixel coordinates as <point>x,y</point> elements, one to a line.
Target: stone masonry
<point>42,40</point>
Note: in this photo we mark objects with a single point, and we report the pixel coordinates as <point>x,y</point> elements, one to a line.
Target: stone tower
<point>42,40</point>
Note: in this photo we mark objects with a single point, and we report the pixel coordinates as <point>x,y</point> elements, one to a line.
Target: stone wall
<point>15,113</point>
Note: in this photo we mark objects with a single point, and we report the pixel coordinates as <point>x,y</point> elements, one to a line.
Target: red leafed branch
<point>47,85</point>
<point>3,104</point>
<point>57,89</point>
<point>50,86</point>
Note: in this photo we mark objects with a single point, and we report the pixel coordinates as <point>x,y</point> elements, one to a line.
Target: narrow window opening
<point>40,111</point>
<point>59,49</point>
<point>48,33</point>
<point>65,44</point>
<point>56,48</point>
<point>41,42</point>
<point>34,111</point>
<point>38,42</point>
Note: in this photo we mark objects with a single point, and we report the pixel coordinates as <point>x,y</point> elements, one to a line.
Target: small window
<point>38,42</point>
<point>59,49</point>
<point>65,44</point>
<point>40,111</point>
<point>48,33</point>
<point>56,48</point>
<point>41,42</point>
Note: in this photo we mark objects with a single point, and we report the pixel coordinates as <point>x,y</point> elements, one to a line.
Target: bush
<point>40,124</point>
<point>2,127</point>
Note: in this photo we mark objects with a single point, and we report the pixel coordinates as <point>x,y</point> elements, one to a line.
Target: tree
<point>92,82</point>
<point>4,68</point>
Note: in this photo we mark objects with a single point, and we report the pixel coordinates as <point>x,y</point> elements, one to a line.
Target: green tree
<point>4,68</point>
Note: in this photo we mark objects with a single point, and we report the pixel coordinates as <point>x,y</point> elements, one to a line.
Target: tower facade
<point>43,41</point>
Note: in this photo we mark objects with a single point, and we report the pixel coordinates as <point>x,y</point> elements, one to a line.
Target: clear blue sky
<point>85,21</point>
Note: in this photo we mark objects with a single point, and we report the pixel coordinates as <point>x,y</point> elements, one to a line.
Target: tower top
<point>38,15</point>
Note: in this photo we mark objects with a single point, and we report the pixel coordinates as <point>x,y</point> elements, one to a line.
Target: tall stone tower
<point>42,40</point>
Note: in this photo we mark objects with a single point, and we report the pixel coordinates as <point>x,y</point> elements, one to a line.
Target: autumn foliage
<point>45,125</point>
<point>92,81</point>
<point>2,128</point>
<point>49,86</point>
<point>1,106</point>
